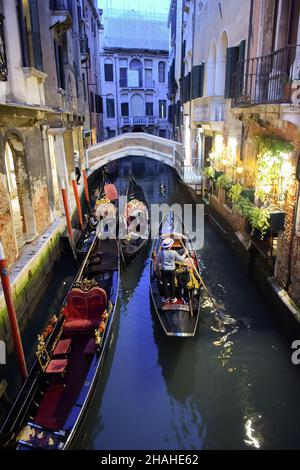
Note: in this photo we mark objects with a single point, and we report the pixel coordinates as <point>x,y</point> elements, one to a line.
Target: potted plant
<point>209,172</point>
<point>224,182</point>
<point>249,193</point>
<point>259,221</point>
<point>235,192</point>
<point>276,220</point>
<point>218,174</point>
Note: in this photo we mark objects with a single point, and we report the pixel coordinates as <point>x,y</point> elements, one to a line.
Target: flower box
<point>248,194</point>
<point>218,174</point>
<point>277,220</point>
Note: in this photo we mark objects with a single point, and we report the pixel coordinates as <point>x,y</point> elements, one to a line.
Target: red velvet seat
<point>62,348</point>
<point>57,366</point>
<point>111,192</point>
<point>84,309</point>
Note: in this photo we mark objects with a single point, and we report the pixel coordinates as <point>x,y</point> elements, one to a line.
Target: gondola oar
<point>200,278</point>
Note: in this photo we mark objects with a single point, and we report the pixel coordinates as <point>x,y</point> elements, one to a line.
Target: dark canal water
<point>232,386</point>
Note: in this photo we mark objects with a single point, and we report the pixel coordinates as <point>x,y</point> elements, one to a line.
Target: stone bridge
<point>145,145</point>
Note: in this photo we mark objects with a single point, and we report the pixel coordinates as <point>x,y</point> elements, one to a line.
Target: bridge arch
<point>136,144</point>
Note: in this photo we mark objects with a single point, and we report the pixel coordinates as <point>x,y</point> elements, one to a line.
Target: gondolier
<point>165,261</point>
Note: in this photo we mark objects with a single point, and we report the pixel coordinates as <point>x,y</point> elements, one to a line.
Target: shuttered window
<point>197,81</point>
<point>99,104</point>
<point>59,65</point>
<point>124,109</point>
<point>187,88</point>
<point>109,72</point>
<point>232,58</point>
<point>35,34</point>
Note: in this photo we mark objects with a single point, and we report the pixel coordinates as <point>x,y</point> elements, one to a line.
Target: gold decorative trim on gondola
<point>86,284</point>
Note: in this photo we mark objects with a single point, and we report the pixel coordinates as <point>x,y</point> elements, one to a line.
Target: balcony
<point>138,121</point>
<point>270,79</point>
<point>3,58</point>
<point>209,110</point>
<point>61,19</point>
<point>125,83</point>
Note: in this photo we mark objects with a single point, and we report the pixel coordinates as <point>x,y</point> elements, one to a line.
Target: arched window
<point>221,64</point>
<point>137,105</point>
<point>211,70</point>
<point>161,72</point>
<point>136,73</point>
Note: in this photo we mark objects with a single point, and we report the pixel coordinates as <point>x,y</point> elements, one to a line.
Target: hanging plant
<point>273,157</point>
<point>270,143</point>
<point>259,220</point>
<point>244,206</point>
<point>224,182</point>
<point>209,172</point>
<point>235,192</point>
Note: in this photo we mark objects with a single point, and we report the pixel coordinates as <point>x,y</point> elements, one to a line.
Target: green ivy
<point>224,182</point>
<point>209,172</point>
<point>259,220</point>
<point>270,143</point>
<point>235,192</point>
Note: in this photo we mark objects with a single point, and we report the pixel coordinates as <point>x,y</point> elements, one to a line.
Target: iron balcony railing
<point>3,58</point>
<point>268,79</point>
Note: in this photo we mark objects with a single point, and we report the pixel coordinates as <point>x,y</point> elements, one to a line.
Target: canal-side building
<point>44,104</point>
<point>134,73</point>
<point>176,72</point>
<point>236,108</point>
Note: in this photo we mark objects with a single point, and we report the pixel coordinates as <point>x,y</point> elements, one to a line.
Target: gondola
<point>70,355</point>
<point>104,205</point>
<point>180,318</point>
<point>136,222</point>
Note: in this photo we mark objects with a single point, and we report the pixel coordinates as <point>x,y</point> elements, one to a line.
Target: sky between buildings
<point>159,6</point>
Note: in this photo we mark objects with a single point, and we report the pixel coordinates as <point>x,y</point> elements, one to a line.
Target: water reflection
<point>232,386</point>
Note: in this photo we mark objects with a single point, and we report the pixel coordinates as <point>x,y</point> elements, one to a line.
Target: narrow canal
<point>231,386</point>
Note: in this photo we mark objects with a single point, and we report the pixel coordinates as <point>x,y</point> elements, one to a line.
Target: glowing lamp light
<point>239,170</point>
<point>219,141</point>
<point>224,162</point>
<point>267,188</point>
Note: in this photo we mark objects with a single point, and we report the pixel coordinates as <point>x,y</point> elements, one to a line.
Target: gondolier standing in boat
<point>165,262</point>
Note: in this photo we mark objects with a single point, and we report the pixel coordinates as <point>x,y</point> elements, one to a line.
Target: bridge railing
<point>192,174</point>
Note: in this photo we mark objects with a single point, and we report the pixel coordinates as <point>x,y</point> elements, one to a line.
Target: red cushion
<point>75,326</point>
<point>62,347</point>
<point>57,366</point>
<point>111,192</point>
<point>85,305</point>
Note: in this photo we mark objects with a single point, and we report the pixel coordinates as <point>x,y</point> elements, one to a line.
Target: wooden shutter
<point>35,33</point>
<point>232,59</point>
<point>197,81</point>
<point>187,88</point>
